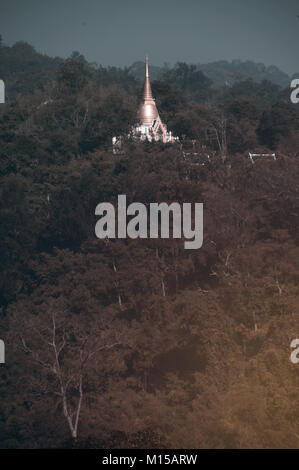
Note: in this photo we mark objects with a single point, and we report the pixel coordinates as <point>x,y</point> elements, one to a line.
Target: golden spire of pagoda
<point>148,110</point>
<point>147,94</point>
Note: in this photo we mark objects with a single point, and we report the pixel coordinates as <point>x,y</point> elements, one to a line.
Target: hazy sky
<point>119,32</point>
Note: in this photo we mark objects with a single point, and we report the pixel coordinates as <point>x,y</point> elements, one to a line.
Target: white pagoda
<point>150,127</point>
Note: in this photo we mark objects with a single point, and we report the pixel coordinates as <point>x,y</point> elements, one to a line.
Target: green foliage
<point>278,122</point>
<point>188,78</point>
<point>24,70</point>
<point>187,348</point>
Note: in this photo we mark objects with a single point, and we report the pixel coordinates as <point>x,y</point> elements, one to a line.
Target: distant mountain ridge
<point>25,70</point>
<point>223,72</point>
<point>137,69</point>
<point>237,70</point>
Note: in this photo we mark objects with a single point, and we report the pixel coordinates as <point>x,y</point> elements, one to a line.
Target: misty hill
<point>137,70</point>
<point>224,72</point>
<point>24,69</point>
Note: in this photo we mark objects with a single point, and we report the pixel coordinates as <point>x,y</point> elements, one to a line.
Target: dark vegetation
<point>148,344</point>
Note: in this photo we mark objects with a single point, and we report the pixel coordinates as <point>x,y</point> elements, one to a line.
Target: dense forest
<point>141,343</point>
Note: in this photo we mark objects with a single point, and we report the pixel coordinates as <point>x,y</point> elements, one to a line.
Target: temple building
<point>150,127</point>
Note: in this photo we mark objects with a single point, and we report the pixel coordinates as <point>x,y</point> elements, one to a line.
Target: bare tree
<point>216,130</point>
<point>66,353</point>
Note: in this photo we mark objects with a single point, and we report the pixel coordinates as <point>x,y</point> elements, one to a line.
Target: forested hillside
<point>141,343</point>
<point>224,72</point>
